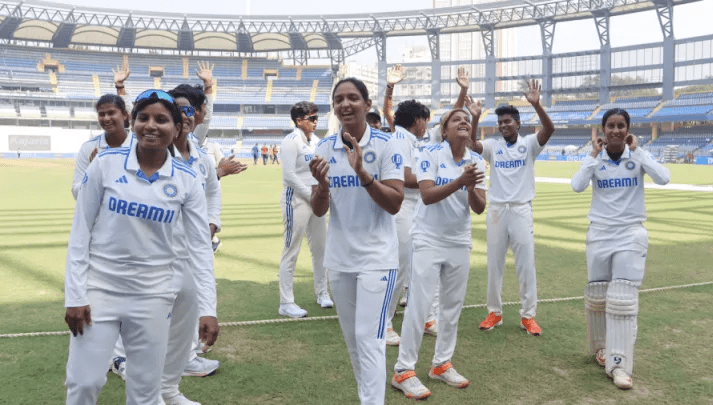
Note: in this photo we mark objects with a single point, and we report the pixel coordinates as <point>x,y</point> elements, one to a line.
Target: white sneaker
<point>118,367</point>
<point>448,375</point>
<point>621,379</point>
<point>403,301</point>
<point>200,367</point>
<point>292,310</point>
<point>431,328</point>
<point>179,399</point>
<point>324,301</point>
<point>410,385</point>
<point>392,338</point>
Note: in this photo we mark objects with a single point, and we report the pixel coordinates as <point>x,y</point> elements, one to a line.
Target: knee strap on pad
<point>595,301</point>
<point>622,298</point>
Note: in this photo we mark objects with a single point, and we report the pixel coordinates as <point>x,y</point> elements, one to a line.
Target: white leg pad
<point>595,304</point>
<point>622,309</point>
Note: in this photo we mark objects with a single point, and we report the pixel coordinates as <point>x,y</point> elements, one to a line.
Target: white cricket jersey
<point>122,237</point>
<point>618,187</point>
<point>446,223</point>
<point>297,152</point>
<point>361,235</point>
<point>512,168</point>
<point>409,145</point>
<point>82,161</point>
<point>203,164</point>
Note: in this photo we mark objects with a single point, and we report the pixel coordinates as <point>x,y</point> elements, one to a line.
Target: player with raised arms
<point>113,119</point>
<point>509,219</point>
<point>120,276</point>
<point>359,178</point>
<point>617,242</point>
<point>451,180</point>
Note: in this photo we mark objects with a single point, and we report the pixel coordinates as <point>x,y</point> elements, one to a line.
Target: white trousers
<point>404,222</point>
<point>511,225</point>
<point>362,301</point>
<point>299,220</point>
<point>432,266</point>
<point>143,323</point>
<point>617,252</point>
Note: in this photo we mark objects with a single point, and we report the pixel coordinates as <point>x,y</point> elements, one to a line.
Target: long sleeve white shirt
<point>122,237</point>
<point>296,152</point>
<point>82,161</point>
<point>618,187</point>
<point>201,130</point>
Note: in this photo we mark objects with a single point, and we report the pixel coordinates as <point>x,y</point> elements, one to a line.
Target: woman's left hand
<point>76,317</point>
<point>353,155</point>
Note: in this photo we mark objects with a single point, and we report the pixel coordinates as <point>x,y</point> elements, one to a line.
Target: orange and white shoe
<point>531,326</point>
<point>600,358</point>
<point>446,373</point>
<point>392,338</point>
<point>410,385</point>
<point>491,321</point>
<point>431,328</point>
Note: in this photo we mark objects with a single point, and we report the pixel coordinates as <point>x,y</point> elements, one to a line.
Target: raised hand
<point>598,145</point>
<point>228,166</point>
<point>533,92</point>
<point>205,72</point>
<point>353,155</point>
<point>473,106</point>
<point>463,79</point>
<point>632,140</point>
<point>395,75</point>
<point>121,73</point>
<point>469,177</point>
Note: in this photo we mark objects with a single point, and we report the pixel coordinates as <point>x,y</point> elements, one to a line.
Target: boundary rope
<point>323,318</point>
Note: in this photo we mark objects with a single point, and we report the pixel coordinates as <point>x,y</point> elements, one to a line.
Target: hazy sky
<point>690,20</point>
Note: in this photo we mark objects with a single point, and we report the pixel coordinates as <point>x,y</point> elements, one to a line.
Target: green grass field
<point>307,362</point>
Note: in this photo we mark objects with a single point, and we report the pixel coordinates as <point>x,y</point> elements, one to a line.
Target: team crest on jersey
<point>202,167</point>
<point>370,157</point>
<point>170,190</point>
<point>425,165</point>
<point>522,149</point>
<point>398,160</point>
<point>630,165</point>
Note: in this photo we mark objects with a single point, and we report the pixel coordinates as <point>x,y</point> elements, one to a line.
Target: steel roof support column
<point>547,30</point>
<point>488,32</point>
<point>601,19</point>
<point>434,45</point>
<point>380,42</point>
<point>664,9</point>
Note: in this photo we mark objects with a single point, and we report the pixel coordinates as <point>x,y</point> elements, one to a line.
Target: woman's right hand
<point>471,176</point>
<point>598,145</point>
<point>320,169</point>
<point>76,317</point>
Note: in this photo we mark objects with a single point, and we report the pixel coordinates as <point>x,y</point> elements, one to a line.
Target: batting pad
<point>622,308</point>
<point>595,304</point>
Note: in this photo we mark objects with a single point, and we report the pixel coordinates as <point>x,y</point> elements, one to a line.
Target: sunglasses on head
<point>312,118</point>
<point>153,93</point>
<point>188,110</point>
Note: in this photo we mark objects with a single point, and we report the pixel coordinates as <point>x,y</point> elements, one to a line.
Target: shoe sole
<point>393,343</point>
<point>492,327</point>
<point>410,396</point>
<point>437,378</point>
<point>293,316</point>
<point>326,306</point>
<point>530,333</point>
<point>200,374</point>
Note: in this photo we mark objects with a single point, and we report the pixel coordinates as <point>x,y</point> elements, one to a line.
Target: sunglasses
<point>188,110</point>
<point>312,118</point>
<point>153,93</point>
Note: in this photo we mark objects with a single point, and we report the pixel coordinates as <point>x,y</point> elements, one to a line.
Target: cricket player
<point>617,242</point>
<point>509,218</point>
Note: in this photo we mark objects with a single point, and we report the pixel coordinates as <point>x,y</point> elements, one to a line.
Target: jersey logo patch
<point>499,152</point>
<point>170,190</point>
<point>630,165</point>
<point>384,279</point>
<point>122,180</point>
<point>602,168</point>
<point>443,166</point>
<point>521,149</point>
<point>370,157</point>
<point>397,159</point>
<point>425,165</point>
<point>332,161</point>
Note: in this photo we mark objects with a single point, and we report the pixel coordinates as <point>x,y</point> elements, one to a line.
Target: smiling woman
<point>120,261</point>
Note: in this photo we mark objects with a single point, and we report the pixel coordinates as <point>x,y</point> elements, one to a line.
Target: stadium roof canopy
<point>65,25</point>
